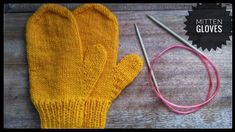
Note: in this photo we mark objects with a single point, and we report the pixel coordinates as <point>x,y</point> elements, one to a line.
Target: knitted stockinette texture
<point>61,74</point>
<point>97,24</point>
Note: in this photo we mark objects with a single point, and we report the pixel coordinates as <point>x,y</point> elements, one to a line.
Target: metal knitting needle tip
<point>146,56</point>
<point>174,34</point>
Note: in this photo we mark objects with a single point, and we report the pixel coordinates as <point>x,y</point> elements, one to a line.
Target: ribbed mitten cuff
<point>95,113</point>
<point>60,113</point>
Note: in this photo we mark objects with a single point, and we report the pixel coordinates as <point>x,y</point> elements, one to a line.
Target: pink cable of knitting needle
<point>192,108</point>
<point>206,61</point>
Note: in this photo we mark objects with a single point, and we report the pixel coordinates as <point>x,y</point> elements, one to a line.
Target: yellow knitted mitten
<point>98,25</point>
<point>61,74</point>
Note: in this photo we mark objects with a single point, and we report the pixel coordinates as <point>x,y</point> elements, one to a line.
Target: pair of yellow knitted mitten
<point>73,73</point>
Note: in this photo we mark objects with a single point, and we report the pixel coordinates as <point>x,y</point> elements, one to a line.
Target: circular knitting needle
<point>174,34</point>
<point>146,56</point>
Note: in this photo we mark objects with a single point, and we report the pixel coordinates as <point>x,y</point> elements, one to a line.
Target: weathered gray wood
<point>113,7</point>
<point>133,102</point>
<point>14,34</point>
<point>182,78</point>
<point>134,107</point>
<point>117,6</point>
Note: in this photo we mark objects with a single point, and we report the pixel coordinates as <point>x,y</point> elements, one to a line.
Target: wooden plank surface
<point>117,7</point>
<point>182,77</point>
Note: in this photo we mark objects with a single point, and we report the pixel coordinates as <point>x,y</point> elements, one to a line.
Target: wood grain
<point>181,76</point>
<point>117,6</point>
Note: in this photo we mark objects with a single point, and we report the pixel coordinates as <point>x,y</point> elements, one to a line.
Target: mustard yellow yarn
<point>97,24</point>
<point>61,73</point>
